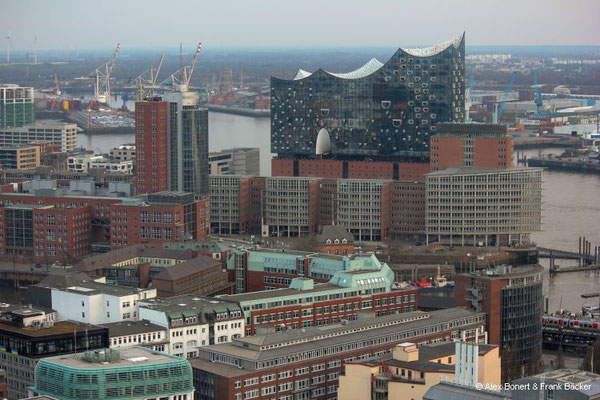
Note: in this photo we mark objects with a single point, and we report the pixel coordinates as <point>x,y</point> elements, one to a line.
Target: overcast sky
<point>85,24</point>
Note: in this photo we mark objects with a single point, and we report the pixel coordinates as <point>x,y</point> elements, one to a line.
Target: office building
<point>83,163</point>
<point>89,300</point>
<point>20,157</point>
<point>470,145</point>
<point>16,106</point>
<point>483,206</point>
<point>262,269</point>
<point>132,373</point>
<point>52,132</point>
<point>561,384</point>
<point>27,335</point>
<point>193,322</point>
<point>410,371</point>
<point>306,363</point>
<point>159,217</point>
<point>236,161</point>
<point>137,333</point>
<point>305,304</point>
<point>512,298</point>
<point>378,111</point>
<point>171,144</point>
<point>125,152</point>
<point>45,232</point>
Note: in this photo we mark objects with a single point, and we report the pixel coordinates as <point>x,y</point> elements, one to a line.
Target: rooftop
<point>125,328</point>
<point>130,252</point>
<point>333,232</point>
<point>187,268</point>
<point>260,347</point>
<point>175,306</point>
<point>59,328</point>
<point>477,170</point>
<point>513,272</point>
<point>128,357</point>
<point>570,376</point>
<point>452,391</point>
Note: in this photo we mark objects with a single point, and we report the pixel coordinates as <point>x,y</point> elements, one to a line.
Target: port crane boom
<point>102,75</point>
<point>145,83</point>
<point>180,79</point>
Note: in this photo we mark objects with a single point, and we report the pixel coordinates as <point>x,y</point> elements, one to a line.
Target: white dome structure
<point>323,142</point>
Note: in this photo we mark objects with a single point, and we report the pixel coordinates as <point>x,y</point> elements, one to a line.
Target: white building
<point>125,152</point>
<point>137,333</point>
<point>82,163</point>
<point>93,302</point>
<point>54,133</point>
<point>236,161</point>
<point>193,322</point>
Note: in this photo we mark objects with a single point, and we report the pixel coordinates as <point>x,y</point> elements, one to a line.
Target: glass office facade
<point>380,111</point>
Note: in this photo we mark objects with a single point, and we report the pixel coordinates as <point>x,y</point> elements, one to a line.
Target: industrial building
<point>133,372</point>
<point>16,106</point>
<point>307,363</point>
<point>379,111</point>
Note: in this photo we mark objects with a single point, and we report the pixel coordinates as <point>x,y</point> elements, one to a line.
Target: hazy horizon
<point>275,25</point>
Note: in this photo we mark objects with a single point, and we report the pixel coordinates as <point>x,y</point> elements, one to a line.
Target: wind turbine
<point>8,46</point>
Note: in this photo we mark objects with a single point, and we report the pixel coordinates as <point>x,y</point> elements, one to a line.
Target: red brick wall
<point>281,167</point>
<point>151,140</point>
<point>320,168</point>
<point>446,152</point>
<point>414,172</point>
<point>492,152</point>
<point>371,170</point>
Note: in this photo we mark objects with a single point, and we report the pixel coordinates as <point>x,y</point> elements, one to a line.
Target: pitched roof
<point>186,268</point>
<point>334,232</point>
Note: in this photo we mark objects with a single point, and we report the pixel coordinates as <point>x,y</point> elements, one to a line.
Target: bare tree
<point>591,361</point>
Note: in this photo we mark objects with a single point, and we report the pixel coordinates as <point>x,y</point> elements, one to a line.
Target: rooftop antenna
<point>181,58</point>
<point>9,46</point>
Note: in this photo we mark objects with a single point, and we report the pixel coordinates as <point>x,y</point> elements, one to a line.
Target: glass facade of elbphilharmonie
<point>379,111</point>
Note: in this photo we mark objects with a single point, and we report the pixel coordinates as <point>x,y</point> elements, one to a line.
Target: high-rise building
<point>16,106</point>
<point>48,132</point>
<point>379,111</point>
<point>172,144</point>
<point>512,298</point>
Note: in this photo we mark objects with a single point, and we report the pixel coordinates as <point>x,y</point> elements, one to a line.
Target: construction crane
<point>180,79</point>
<point>537,95</point>
<point>500,106</point>
<point>145,83</point>
<point>102,75</point>
<point>58,92</point>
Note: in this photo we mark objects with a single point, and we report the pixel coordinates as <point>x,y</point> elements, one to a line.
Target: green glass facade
<point>16,106</point>
<point>380,111</point>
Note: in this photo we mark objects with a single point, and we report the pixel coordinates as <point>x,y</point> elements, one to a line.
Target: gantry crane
<point>145,83</point>
<point>500,106</point>
<point>180,79</point>
<point>102,75</point>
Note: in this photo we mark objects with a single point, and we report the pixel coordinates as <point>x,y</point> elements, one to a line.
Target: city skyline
<point>276,24</point>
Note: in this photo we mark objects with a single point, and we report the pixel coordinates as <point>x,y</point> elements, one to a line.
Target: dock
<point>573,165</point>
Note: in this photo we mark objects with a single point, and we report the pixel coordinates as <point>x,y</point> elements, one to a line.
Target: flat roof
<point>129,357</point>
<point>269,294</point>
<point>190,303</point>
<point>479,170</point>
<point>124,328</point>
<point>311,338</point>
<point>515,272</point>
<point>59,328</point>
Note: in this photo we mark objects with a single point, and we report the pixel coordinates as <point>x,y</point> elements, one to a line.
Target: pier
<point>587,260</point>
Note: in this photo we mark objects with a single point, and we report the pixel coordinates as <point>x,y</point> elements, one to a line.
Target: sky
<point>100,24</point>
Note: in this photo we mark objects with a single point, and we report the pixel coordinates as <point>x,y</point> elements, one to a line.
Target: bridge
<point>576,339</point>
<point>545,252</point>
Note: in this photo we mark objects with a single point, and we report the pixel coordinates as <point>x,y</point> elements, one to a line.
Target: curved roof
<point>323,145</point>
<point>438,48</point>
<point>374,65</point>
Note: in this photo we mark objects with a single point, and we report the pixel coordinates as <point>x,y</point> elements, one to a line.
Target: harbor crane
<point>180,79</point>
<point>57,86</point>
<point>145,83</point>
<point>537,95</point>
<point>102,75</point>
<point>500,106</point>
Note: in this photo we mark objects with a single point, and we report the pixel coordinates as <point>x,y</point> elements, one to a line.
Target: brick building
<point>305,304</point>
<point>46,233</point>
<point>159,217</point>
<point>151,141</point>
<point>334,239</point>
<point>306,363</point>
<point>470,145</point>
<point>512,299</point>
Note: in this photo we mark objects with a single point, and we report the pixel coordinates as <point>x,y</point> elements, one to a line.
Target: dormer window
<point>328,241</point>
<point>344,241</point>
<point>337,241</point>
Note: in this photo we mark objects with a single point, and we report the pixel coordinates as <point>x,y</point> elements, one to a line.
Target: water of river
<point>571,206</point>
